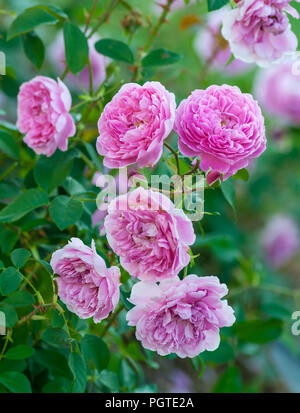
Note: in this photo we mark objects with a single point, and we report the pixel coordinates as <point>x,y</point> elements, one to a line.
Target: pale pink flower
<point>259,31</point>
<point>98,63</point>
<point>149,234</point>
<point>85,285</point>
<point>280,240</point>
<point>180,316</point>
<point>134,124</point>
<point>222,126</point>
<point>278,91</point>
<point>210,44</point>
<point>43,115</point>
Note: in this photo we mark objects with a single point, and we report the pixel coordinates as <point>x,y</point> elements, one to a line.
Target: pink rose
<point>85,285</point>
<point>134,124</point>
<point>210,44</point>
<point>278,91</point>
<point>98,62</point>
<point>221,125</point>
<point>180,316</point>
<point>43,115</point>
<point>280,240</point>
<point>259,30</point>
<point>149,234</point>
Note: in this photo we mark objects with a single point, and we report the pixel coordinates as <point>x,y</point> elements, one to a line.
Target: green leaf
<point>115,49</point>
<point>51,172</point>
<point>8,239</point>
<point>215,4</point>
<point>228,191</point>
<point>19,352</point>
<point>8,191</point>
<point>259,331</point>
<point>34,49</point>
<point>28,201</point>
<point>9,145</point>
<point>11,316</point>
<point>10,279</point>
<point>94,349</point>
<point>19,257</point>
<point>242,174</point>
<point>65,211</point>
<point>31,18</point>
<point>110,380</point>
<point>160,57</point>
<point>76,48</point>
<point>19,299</point>
<point>56,337</point>
<point>78,368</point>
<point>15,382</point>
<point>229,382</point>
<point>223,354</point>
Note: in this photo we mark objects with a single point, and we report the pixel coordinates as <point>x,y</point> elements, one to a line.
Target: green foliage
<point>33,17</point>
<point>25,203</point>
<point>65,211</point>
<point>10,280</point>
<point>19,352</point>
<point>51,172</point>
<point>95,350</point>
<point>9,145</point>
<point>15,382</point>
<point>215,4</point>
<point>160,57</point>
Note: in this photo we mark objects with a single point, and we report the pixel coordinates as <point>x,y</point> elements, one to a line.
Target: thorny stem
<point>161,21</point>
<point>175,155</point>
<point>89,17</point>
<point>8,171</point>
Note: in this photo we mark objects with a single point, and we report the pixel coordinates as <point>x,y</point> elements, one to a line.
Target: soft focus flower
<point>280,240</point>
<point>180,316</point>
<point>85,285</point>
<point>43,115</point>
<point>278,91</point>
<point>98,62</point>
<point>221,125</point>
<point>259,30</point>
<point>134,124</point>
<point>149,234</point>
<point>210,44</point>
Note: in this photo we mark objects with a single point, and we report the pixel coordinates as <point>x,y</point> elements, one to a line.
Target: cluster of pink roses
<point>152,239</point>
<point>221,125</point>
